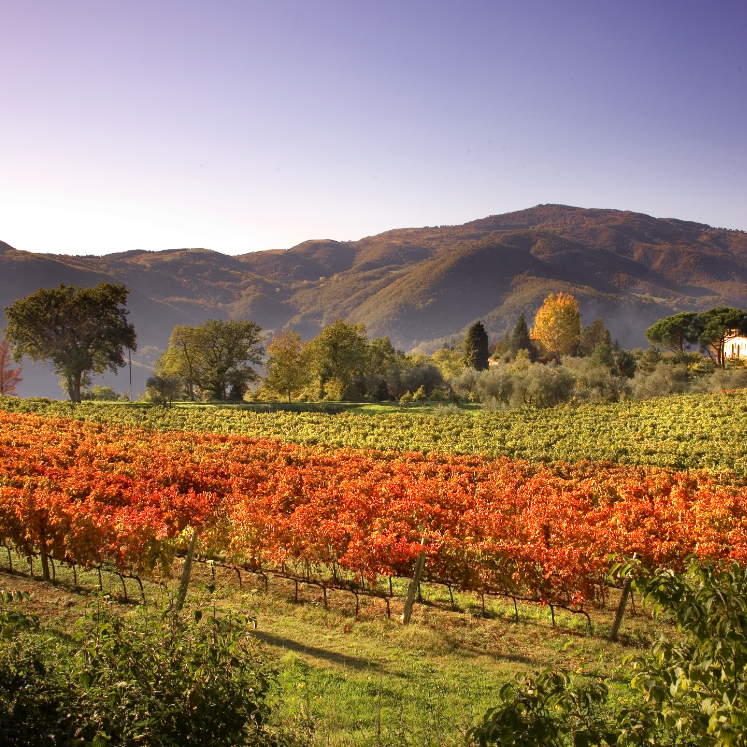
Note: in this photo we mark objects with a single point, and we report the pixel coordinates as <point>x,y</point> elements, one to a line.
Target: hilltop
<point>423,286</point>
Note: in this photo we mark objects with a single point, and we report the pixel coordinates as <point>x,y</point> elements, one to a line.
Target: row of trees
<point>214,361</point>
<point>84,331</point>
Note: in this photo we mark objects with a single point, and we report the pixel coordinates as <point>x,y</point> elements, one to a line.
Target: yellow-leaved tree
<point>558,324</point>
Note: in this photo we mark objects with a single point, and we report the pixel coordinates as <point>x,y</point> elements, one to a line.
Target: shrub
<point>145,678</point>
<point>689,691</point>
<point>664,379</point>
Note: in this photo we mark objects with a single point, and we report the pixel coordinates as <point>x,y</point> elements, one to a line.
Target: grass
<point>370,680</point>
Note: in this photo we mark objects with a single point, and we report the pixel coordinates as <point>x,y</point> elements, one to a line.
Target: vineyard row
<point>98,495</point>
<point>704,431</point>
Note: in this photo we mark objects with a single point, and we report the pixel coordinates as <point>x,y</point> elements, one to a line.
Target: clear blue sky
<point>253,125</point>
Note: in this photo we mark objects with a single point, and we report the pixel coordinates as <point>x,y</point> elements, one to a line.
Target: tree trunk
<point>73,386</point>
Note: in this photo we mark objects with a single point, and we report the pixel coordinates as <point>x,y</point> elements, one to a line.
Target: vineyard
<point>93,495</point>
<point>705,431</point>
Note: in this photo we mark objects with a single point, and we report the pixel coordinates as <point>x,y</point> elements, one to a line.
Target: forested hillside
<point>423,286</point>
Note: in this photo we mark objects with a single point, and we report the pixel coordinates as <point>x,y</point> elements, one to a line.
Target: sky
<point>244,125</point>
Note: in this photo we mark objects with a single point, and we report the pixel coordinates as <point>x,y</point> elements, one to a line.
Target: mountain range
<point>422,287</point>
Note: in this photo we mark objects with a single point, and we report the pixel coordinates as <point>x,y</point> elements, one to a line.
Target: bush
<point>689,691</point>
<point>145,678</point>
<point>664,379</point>
<point>595,383</point>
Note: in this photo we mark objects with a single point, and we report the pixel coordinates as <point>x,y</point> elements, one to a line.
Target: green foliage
<point>449,362</point>
<point>215,359</point>
<point>520,340</point>
<point>689,431</point>
<point>100,394</point>
<point>548,709</point>
<point>625,363</point>
<point>691,690</point>
<point>697,685</point>
<point>676,333</point>
<point>595,334</point>
<point>288,370</point>
<point>338,356</point>
<point>718,326</point>
<point>161,389</point>
<point>145,678</point>
<point>712,329</point>
<point>476,347</point>
<point>603,356</point>
<point>80,330</point>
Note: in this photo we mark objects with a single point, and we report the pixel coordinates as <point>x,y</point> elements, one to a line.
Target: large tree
<point>9,377</point>
<point>677,332</point>
<point>558,324</point>
<point>476,347</point>
<point>338,356</point>
<point>288,368</point>
<point>717,327</point>
<point>80,330</point>
<point>215,358</point>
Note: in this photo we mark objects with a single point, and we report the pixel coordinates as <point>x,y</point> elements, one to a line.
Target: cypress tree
<point>520,339</point>
<point>476,347</point>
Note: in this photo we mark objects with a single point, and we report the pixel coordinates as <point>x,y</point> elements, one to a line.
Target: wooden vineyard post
<point>44,557</point>
<point>412,589</point>
<point>620,609</point>
<point>186,571</point>
<point>621,606</point>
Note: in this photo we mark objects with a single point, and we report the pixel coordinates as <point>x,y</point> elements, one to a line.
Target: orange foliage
<point>9,377</point>
<point>93,494</point>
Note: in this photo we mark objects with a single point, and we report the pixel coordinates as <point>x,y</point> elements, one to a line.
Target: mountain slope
<point>422,286</point>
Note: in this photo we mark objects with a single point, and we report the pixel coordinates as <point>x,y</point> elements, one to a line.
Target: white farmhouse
<point>736,348</point>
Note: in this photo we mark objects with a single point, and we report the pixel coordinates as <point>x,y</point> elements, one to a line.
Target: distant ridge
<point>423,286</point>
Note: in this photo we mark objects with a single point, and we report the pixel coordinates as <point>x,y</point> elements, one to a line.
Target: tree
<point>476,347</point>
<point>603,356</point>
<point>448,362</point>
<point>215,358</point>
<point>80,330</point>
<point>162,389</point>
<point>558,324</point>
<point>338,357</point>
<point>592,335</point>
<point>520,339</point>
<point>9,377</point>
<point>288,368</point>
<point>677,332</point>
<point>625,363</point>
<point>717,327</point>
<point>382,375</point>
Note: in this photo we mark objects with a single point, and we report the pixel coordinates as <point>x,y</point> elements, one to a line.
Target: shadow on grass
<point>318,653</point>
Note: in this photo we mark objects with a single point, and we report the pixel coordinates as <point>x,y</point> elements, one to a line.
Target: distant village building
<point>736,348</point>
